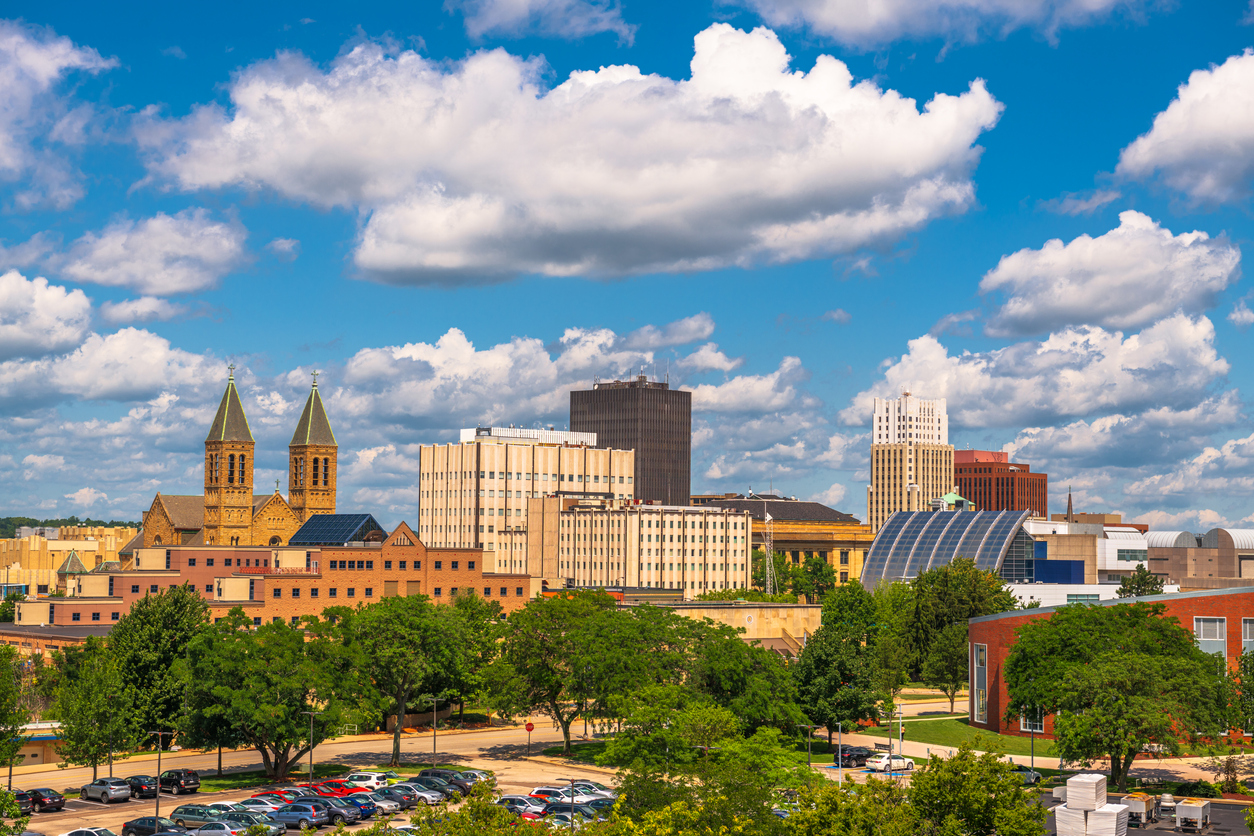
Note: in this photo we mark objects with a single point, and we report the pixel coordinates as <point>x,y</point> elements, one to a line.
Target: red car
<point>287,796</point>
<point>335,788</point>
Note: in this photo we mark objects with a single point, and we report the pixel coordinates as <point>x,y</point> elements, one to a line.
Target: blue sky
<point>1036,209</point>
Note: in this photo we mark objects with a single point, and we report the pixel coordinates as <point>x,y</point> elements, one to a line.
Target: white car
<point>90,831</point>
<point>889,763</point>
<point>563,794</point>
<point>368,780</point>
<point>259,805</point>
<point>596,788</point>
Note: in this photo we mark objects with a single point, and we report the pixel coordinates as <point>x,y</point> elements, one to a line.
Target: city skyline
<point>786,211</point>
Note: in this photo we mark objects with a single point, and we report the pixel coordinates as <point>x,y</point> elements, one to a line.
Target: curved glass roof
<point>912,542</point>
<point>1171,539</point>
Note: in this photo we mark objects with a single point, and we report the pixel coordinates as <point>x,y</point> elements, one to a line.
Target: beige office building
<point>474,494</point>
<point>912,461</point>
<point>616,543</point>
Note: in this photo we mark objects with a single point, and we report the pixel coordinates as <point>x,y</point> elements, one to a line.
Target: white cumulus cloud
<point>1203,143</point>
<point>161,255</point>
<point>708,358</point>
<point>1223,470</point>
<point>143,309</point>
<point>474,171</point>
<point>869,23</point>
<point>754,392</point>
<point>1241,315</point>
<point>1133,275</point>
<point>680,332</point>
<point>559,18</point>
<point>86,497</point>
<point>1076,372</point>
<point>36,119</point>
<point>39,318</point>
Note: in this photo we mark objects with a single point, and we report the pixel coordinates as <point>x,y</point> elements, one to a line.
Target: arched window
<point>156,541</point>
<point>230,469</point>
<point>243,478</point>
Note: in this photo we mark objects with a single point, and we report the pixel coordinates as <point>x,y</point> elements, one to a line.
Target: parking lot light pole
<point>809,732</point>
<point>572,804</point>
<point>312,714</point>
<point>433,758</point>
<point>157,811</point>
<point>840,754</point>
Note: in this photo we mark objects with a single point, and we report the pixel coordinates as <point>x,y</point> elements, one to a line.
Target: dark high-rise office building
<point>650,418</point>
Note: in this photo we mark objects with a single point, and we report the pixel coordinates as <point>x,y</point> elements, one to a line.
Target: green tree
<point>93,706</point>
<point>747,678</point>
<point>8,608</point>
<point>1243,692</point>
<point>262,680</point>
<point>945,666</point>
<point>479,621</point>
<point>853,608</point>
<point>403,643</point>
<point>755,595</point>
<point>834,677</point>
<point>876,808</point>
<point>784,570</point>
<point>951,594</point>
<point>1140,582</point>
<point>148,641</point>
<point>1117,678</point>
<point>891,669</point>
<point>551,656</point>
<point>814,579</point>
<point>14,710</point>
<point>975,795</point>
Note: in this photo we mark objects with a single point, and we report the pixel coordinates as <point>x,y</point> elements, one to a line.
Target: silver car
<point>425,794</point>
<point>385,805</point>
<point>220,828</point>
<point>106,790</point>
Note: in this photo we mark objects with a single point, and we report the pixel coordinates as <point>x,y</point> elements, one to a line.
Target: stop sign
<point>531,727</point>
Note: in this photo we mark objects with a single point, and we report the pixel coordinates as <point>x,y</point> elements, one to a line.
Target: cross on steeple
<point>232,369</point>
<point>276,485</point>
<point>315,377</point>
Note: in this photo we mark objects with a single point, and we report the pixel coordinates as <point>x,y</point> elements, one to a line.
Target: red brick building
<point>994,483</point>
<point>1222,621</point>
<point>281,583</point>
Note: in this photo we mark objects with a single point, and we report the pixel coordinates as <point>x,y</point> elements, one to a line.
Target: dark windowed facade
<point>1002,485</point>
<point>650,418</point>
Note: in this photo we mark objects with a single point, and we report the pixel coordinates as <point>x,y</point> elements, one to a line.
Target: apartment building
<point>615,543</point>
<point>912,461</point>
<point>475,494</point>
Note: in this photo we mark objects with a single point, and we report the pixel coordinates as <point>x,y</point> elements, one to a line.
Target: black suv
<point>453,778</point>
<point>179,781</point>
<point>853,756</point>
<point>142,786</point>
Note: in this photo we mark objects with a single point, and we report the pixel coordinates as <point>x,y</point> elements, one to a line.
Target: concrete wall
<point>759,621</point>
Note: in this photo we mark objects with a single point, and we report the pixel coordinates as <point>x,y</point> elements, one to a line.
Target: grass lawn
<point>579,752</point>
<point>411,768</point>
<point>927,698</point>
<point>954,731</point>
<point>210,782</point>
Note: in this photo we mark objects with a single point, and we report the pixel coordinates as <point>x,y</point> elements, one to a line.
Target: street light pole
<point>433,757</point>
<point>311,714</point>
<point>157,811</point>
<point>840,753</point>
<point>809,732</point>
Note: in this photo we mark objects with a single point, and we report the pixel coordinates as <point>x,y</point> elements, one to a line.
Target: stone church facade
<point>229,513</point>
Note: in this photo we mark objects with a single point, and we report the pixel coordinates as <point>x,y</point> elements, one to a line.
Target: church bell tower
<point>229,473</point>
<point>312,465</point>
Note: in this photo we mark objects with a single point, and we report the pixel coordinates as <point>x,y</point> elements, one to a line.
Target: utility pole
<point>433,758</point>
<point>840,754</point>
<point>809,732</point>
<point>312,714</point>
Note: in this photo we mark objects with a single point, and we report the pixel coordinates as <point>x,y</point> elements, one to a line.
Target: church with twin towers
<point>230,512</point>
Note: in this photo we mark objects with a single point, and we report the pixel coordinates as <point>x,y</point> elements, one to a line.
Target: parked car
<point>106,790</point>
<point>439,785</point>
<point>854,756</point>
<point>25,804</point>
<point>523,805</point>
<point>221,828</point>
<point>338,810</point>
<point>149,826</point>
<point>480,775</point>
<point>429,795</point>
<point>368,780</point>
<point>596,788</point>
<point>301,815</point>
<point>142,786</point>
<point>249,820</point>
<point>285,796</point>
<point>227,807</point>
<point>562,794</point>
<point>262,805</point>
<point>1030,776</point>
<point>192,816</point>
<point>566,807</point>
<point>366,805</point>
<point>179,781</point>
<point>336,787</point>
<point>453,777</point>
<point>382,803</point>
<point>563,821</point>
<point>89,831</point>
<point>403,796</point>
<point>890,763</point>
<point>603,805</point>
<point>46,799</point>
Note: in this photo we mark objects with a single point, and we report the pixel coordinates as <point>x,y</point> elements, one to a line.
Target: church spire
<point>312,460</point>
<point>313,426</point>
<point>1070,516</point>
<point>230,424</point>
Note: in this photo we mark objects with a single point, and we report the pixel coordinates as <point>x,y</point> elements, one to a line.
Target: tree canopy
<point>1140,582</point>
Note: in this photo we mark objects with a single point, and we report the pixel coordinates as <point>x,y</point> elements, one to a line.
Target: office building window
<point>1033,722</point>
<point>256,621</point>
<point>518,591</point>
<point>95,616</point>
<point>1247,635</point>
<point>439,564</point>
<point>401,566</point>
<point>1082,598</point>
<point>454,565</point>
<point>208,561</point>
<point>504,591</point>
<point>351,592</point>
<point>844,558</point>
<point>191,561</point>
<point>295,592</point>
<point>114,616</point>
<point>487,592</point>
<point>979,679</point>
<point>453,591</point>
<point>74,616</point>
<point>208,587</point>
<point>276,592</point>
<point>134,589</point>
<point>470,564</point>
<point>370,592</point>
<point>387,564</point>
<point>844,576</point>
<point>313,593</point>
<point>152,588</point>
<point>369,564</point>
<point>1211,634</point>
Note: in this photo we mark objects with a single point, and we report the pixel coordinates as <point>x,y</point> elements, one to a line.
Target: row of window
<point>78,616</point>
<point>538,477</point>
